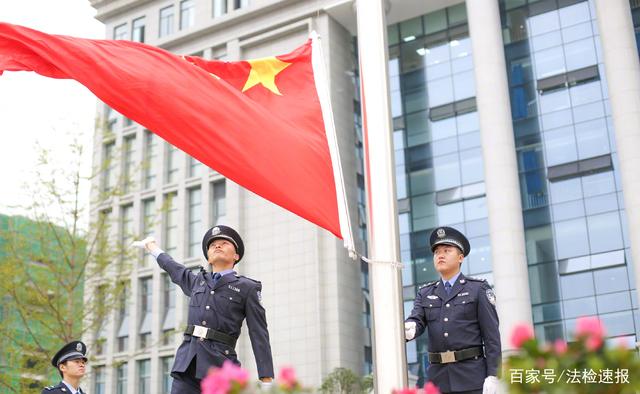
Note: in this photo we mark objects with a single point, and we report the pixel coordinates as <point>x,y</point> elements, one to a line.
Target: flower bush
<point>586,365</point>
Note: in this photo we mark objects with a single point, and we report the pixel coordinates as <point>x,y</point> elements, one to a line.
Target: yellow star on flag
<point>263,72</point>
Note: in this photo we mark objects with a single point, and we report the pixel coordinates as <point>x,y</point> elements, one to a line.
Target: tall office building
<point>520,154</point>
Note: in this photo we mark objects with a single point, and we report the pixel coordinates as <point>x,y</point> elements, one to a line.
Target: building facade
<point>568,232</point>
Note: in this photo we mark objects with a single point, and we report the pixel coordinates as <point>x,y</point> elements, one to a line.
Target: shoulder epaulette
<point>428,284</point>
<point>246,277</point>
<point>471,278</point>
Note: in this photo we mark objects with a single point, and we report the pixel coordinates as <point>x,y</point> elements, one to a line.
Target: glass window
<point>167,380</point>
<point>195,167</point>
<point>475,209</point>
<point>566,190</point>
<point>545,41</point>
<point>554,101</point>
<point>549,62</point>
<point>120,32</point>
<point>450,213</point>
<point>586,112</point>
<point>445,146</point>
<point>148,225</point>
<point>435,21</point>
<point>122,314</point>
<point>463,85</point>
<point>479,260</point>
<point>108,167</point>
<point>577,285</point>
<point>219,8</point>
<point>574,14</point>
<point>586,93</point>
<point>611,280</point>
<point>560,146</point>
<point>128,163</point>
<point>568,210</point>
<point>126,230</point>
<point>457,14</point>
<point>556,119</point>
<point>187,14</point>
<point>440,91</point>
<point>172,164</point>
<point>415,100</point>
<point>166,21</point>
<point>148,162</point>
<point>422,181</point>
<point>580,54</point>
<point>546,312</point>
<point>121,379</point>
<point>145,294</point>
<point>617,324</point>
<point>605,232</point>
<point>468,122</point>
<point>444,128</point>
<point>99,380</point>
<point>410,29</point>
<point>144,377</point>
<point>416,128</point>
<point>544,23</point>
<point>447,171</point>
<point>460,48</point>
<point>219,202</point>
<point>170,223</point>
<point>137,32</point>
<point>543,281</point>
<point>472,166</point>
<point>601,204</point>
<point>240,4</point>
<point>470,140</point>
<point>577,32</point>
<point>579,307</point>
<point>614,302</point>
<point>195,222</point>
<point>169,309</point>
<point>460,64</point>
<point>571,238</point>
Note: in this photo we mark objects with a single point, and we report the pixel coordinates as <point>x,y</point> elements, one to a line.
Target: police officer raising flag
<point>219,302</point>
<point>460,315</point>
<point>70,361</point>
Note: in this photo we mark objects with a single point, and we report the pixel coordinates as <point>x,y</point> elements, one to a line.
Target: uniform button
<point>204,323</point>
<point>447,305</point>
<point>226,352</point>
<point>207,307</point>
<point>430,305</point>
<point>446,334</point>
<point>201,339</point>
<point>446,319</point>
<point>231,298</point>
<point>464,302</point>
<point>212,291</point>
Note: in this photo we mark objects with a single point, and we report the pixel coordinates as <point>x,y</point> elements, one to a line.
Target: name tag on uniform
<point>432,297</point>
<point>234,289</point>
<point>463,294</point>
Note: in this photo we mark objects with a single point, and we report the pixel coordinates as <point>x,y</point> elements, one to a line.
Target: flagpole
<point>389,358</point>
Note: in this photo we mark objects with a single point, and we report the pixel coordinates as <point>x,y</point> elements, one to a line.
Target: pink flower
<point>222,380</point>
<point>431,388</point>
<point>592,330</point>
<point>287,378</point>
<point>560,346</point>
<point>406,391</point>
<point>521,334</point>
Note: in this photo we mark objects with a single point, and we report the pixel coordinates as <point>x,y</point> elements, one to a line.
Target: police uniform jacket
<point>463,319</point>
<point>61,388</point>
<point>221,307</point>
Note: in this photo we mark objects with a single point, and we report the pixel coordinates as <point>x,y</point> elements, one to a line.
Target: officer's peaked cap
<point>449,236</point>
<point>222,232</point>
<point>71,351</point>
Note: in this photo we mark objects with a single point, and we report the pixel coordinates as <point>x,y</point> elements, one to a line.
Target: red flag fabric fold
<point>257,122</point>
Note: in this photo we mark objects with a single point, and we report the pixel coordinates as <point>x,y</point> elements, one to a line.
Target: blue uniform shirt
<point>463,319</point>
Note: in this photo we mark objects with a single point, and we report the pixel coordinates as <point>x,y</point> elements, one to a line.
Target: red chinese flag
<point>257,122</point>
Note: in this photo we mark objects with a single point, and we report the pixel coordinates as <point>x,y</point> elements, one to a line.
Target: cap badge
<point>215,231</point>
<point>440,233</point>
<point>79,347</point>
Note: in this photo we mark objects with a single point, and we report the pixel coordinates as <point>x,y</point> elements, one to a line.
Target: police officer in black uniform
<point>460,316</point>
<point>220,301</point>
<point>70,361</point>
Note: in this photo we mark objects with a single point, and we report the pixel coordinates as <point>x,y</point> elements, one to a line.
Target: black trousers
<point>186,382</point>
<point>453,392</point>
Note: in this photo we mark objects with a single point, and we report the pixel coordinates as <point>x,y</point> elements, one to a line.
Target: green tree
<point>345,381</point>
<point>53,266</point>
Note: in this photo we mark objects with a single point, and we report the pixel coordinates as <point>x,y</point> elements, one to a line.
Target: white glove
<point>490,385</point>
<point>266,386</point>
<point>142,244</point>
<point>409,330</point>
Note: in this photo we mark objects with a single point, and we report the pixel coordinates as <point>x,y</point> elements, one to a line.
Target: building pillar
<point>622,69</point>
<point>506,228</point>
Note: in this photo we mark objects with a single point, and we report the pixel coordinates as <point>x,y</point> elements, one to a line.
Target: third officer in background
<point>460,316</point>
<point>220,301</point>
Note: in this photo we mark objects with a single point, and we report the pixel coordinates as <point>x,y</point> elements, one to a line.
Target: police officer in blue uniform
<point>70,361</point>
<point>460,316</point>
<point>219,302</point>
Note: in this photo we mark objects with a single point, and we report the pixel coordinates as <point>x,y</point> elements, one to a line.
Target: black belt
<point>457,355</point>
<point>208,333</point>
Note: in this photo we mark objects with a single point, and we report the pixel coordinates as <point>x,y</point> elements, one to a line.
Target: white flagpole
<point>389,359</point>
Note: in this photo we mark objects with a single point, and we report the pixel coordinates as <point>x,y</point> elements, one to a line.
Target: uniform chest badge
<point>491,296</point>
<point>464,294</point>
<point>432,297</point>
<point>234,289</point>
